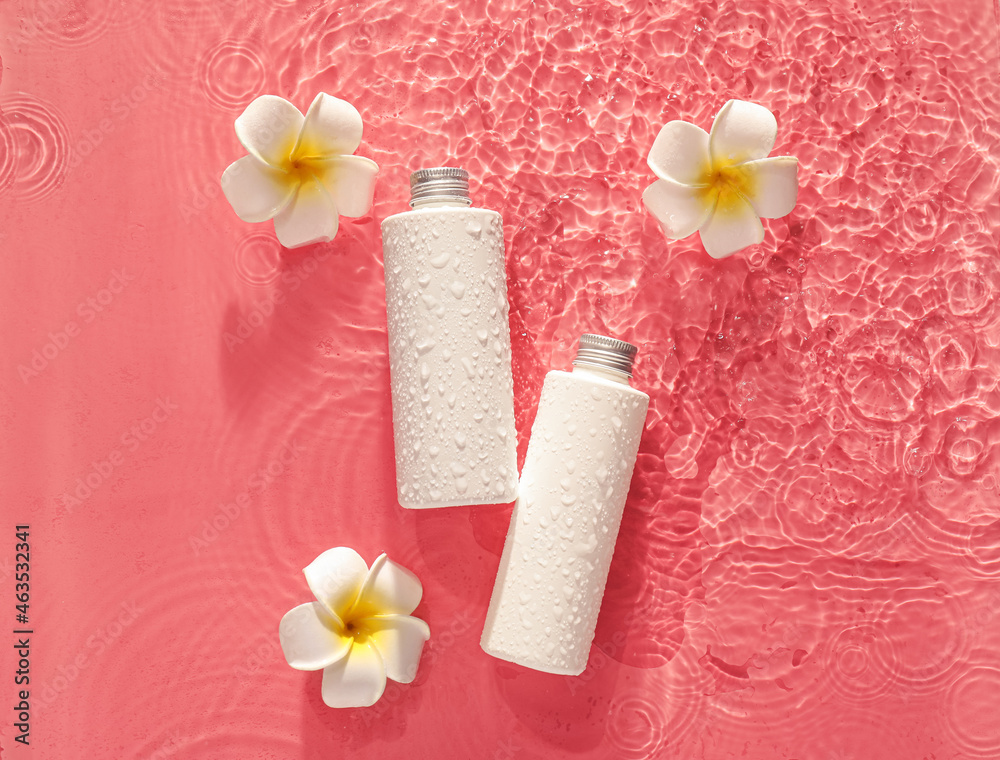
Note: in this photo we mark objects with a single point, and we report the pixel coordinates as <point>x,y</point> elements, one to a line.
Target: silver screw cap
<point>606,353</point>
<point>441,183</point>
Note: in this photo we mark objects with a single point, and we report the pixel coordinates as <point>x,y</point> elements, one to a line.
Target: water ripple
<point>257,258</point>
<point>971,710</point>
<point>859,662</point>
<point>231,74</point>
<point>81,23</point>
<point>662,715</point>
<point>637,724</point>
<point>38,153</point>
<point>8,158</point>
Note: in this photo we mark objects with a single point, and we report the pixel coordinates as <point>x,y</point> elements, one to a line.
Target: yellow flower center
<point>355,629</point>
<point>300,170</point>
<point>305,161</point>
<point>727,185</point>
<point>730,177</point>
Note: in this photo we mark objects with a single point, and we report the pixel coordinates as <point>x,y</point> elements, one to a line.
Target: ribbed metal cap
<point>606,353</point>
<point>442,183</point>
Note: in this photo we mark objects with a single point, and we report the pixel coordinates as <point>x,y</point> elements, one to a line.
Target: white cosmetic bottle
<point>564,526</point>
<point>449,347</point>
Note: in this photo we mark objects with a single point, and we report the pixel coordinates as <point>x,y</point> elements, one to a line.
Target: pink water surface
<point>809,565</point>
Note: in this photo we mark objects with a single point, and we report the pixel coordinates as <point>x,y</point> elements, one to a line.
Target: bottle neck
<point>608,374</point>
<point>440,203</point>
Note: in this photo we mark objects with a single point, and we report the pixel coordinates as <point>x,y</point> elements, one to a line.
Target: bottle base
<point>504,499</point>
<point>528,662</point>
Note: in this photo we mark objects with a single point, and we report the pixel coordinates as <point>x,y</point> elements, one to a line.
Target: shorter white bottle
<point>563,530</point>
<point>449,347</point>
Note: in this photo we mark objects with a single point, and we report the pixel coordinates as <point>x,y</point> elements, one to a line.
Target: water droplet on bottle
<point>457,288</point>
<point>474,228</point>
<point>440,260</point>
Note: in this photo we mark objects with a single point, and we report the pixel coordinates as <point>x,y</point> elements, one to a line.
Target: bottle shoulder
<point>463,212</point>
<point>583,380</point>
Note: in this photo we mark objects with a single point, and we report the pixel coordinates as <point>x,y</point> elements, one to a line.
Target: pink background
<point>810,553</point>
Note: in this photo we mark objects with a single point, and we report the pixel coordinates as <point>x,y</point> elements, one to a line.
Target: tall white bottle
<point>563,530</point>
<point>449,347</point>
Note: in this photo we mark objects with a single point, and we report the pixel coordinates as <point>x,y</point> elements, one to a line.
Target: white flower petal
<point>310,218</point>
<point>336,577</point>
<point>350,181</point>
<point>399,639</point>
<point>332,128</point>
<point>733,225</point>
<point>680,153</point>
<point>742,131</point>
<point>269,128</point>
<point>357,680</point>
<point>389,589</point>
<point>772,185</point>
<point>255,190</point>
<point>309,638</point>
<point>680,209</point>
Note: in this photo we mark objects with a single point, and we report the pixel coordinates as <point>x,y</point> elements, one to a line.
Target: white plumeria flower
<point>722,183</point>
<point>300,170</point>
<point>360,630</point>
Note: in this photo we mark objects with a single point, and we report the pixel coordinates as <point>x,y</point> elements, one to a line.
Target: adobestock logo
<point>291,280</point>
<point>435,648</point>
<point>116,113</point>
<point>86,312</point>
<point>102,469</point>
<point>229,512</point>
<point>95,645</point>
